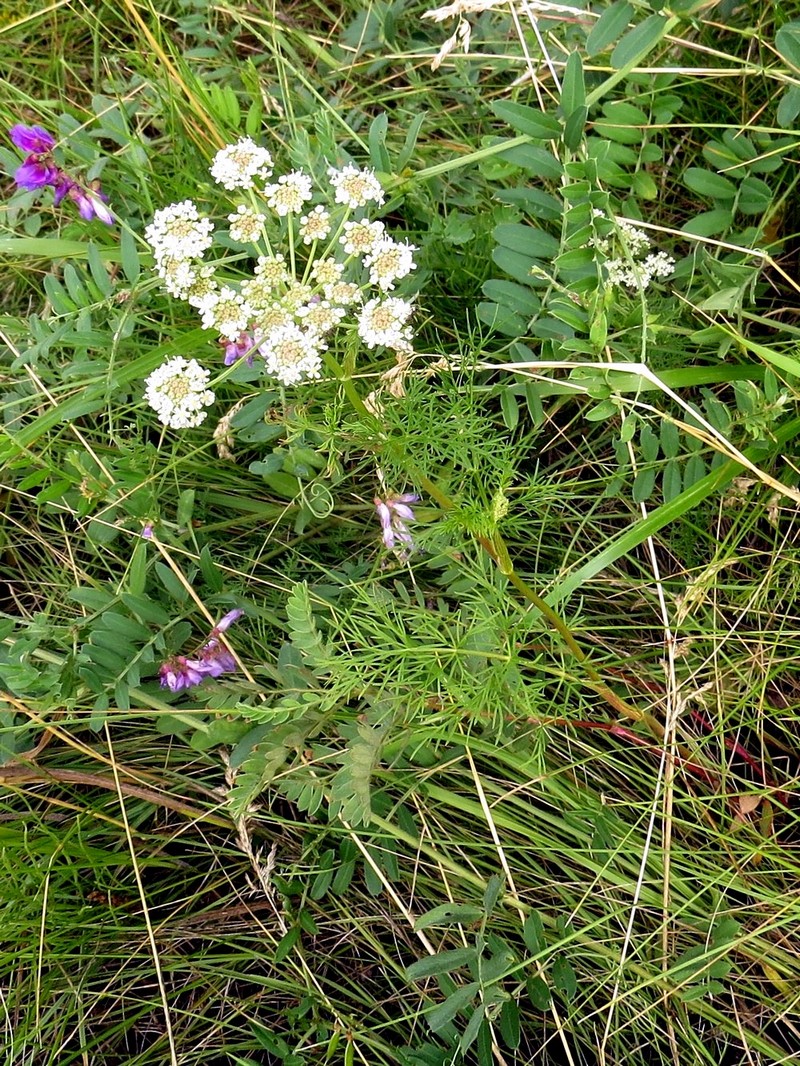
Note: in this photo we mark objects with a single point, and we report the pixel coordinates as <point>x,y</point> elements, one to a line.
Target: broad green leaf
<point>501,318</point>
<point>643,485</point>
<point>212,575</point>
<point>492,893</point>
<point>509,1024</point>
<point>98,270</point>
<point>535,201</point>
<point>128,628</point>
<point>440,1016</point>
<point>637,42</point>
<point>573,88</point>
<point>528,120</point>
<point>787,42</point>
<point>287,944</point>
<point>789,107</point>
<point>449,914</point>
<point>709,223</point>
<point>379,157</point>
<point>533,933</point>
<point>538,993</point>
<point>145,609</point>
<point>670,439</point>
<point>515,264</point>
<point>707,183</point>
<point>671,481</point>
<point>755,196</point>
<point>509,408</point>
<point>622,122</point>
<point>410,142</point>
<point>574,128</point>
<point>516,297</point>
<point>564,977</point>
<point>442,962</point>
<point>472,1029</point>
<point>528,240</point>
<point>613,21</point>
<point>644,185</point>
<point>539,161</point>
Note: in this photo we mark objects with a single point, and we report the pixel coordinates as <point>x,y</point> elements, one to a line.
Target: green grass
<point>527,797</point>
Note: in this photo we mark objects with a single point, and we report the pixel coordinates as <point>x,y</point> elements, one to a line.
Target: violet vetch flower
<point>40,170</point>
<point>393,513</point>
<point>213,659</point>
<point>32,139</point>
<point>234,350</point>
<point>35,174</point>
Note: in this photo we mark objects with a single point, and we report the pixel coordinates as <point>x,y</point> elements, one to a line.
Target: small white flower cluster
<point>636,269</point>
<point>178,391</point>
<point>318,267</point>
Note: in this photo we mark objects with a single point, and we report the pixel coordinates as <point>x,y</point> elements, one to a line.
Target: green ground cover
<point>494,757</point>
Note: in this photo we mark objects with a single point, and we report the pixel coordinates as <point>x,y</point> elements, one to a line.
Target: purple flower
<point>90,204</point>
<point>39,170</point>
<point>32,139</point>
<point>213,659</point>
<point>237,349</point>
<point>179,672</point>
<point>393,513</point>
<point>35,173</point>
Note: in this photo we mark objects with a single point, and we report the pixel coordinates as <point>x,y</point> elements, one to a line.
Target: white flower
<point>202,287</point>
<point>384,322</point>
<point>237,165</point>
<point>326,271</point>
<point>388,262</point>
<point>177,391</point>
<point>659,265</point>
<point>178,275</point>
<point>359,238</point>
<point>316,225</point>
<point>178,232</point>
<point>297,294</point>
<point>289,192</point>
<point>270,318</point>
<point>246,225</point>
<point>227,312</point>
<point>272,269</point>
<point>638,275</point>
<point>259,292</point>
<point>292,354</point>
<point>319,316</point>
<point>637,240</point>
<point>342,292</point>
<point>355,187</point>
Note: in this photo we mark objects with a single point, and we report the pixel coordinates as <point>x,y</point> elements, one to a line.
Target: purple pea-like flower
<point>40,170</point>
<point>32,139</point>
<point>213,659</point>
<point>235,350</point>
<point>90,204</point>
<point>179,672</point>
<point>35,173</point>
<point>393,513</point>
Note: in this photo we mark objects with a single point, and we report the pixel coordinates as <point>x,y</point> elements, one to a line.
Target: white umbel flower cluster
<point>178,392</point>
<point>384,322</point>
<point>302,263</point>
<point>289,192</point>
<point>636,269</point>
<point>354,187</point>
<point>236,166</point>
<point>292,354</point>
